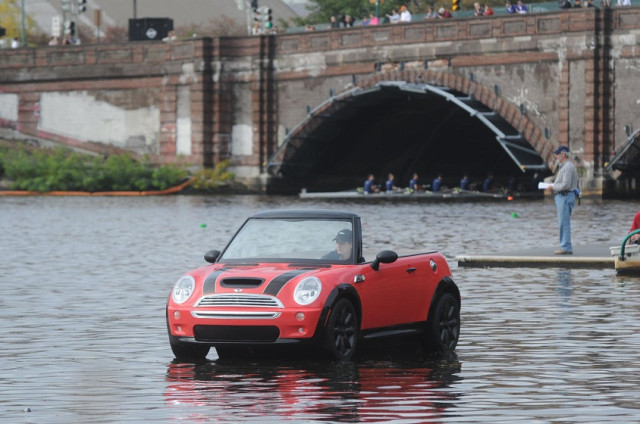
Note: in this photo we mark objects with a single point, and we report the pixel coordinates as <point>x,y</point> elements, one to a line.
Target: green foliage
<point>167,176</point>
<point>11,20</point>
<point>61,169</point>
<point>322,10</point>
<point>210,179</point>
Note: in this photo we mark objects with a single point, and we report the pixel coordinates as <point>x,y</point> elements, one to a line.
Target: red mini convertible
<point>299,276</point>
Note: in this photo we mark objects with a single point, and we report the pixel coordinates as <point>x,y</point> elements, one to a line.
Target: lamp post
<point>23,34</point>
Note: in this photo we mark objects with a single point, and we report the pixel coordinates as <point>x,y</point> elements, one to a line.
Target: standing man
<point>405,15</point>
<point>563,188</point>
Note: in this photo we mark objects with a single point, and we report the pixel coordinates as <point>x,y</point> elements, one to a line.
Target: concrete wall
<point>135,97</point>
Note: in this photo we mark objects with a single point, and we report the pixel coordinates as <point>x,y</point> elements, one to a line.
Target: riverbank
<point>29,168</point>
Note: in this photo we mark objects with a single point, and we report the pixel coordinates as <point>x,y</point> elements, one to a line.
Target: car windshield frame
<point>289,239</point>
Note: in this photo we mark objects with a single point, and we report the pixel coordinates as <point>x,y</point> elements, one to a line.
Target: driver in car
<point>344,243</point>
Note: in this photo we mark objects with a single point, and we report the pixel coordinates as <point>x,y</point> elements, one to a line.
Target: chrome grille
<point>235,314</point>
<point>239,300</point>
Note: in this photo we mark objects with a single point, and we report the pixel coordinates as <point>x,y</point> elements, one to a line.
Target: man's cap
<point>343,235</point>
<point>561,149</point>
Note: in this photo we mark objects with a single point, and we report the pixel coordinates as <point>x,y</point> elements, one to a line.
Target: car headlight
<point>307,290</point>
<point>183,289</point>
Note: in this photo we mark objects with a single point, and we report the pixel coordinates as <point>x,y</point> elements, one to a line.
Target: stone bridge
<point>320,110</point>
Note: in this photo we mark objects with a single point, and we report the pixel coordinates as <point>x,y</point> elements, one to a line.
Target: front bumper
<point>244,326</point>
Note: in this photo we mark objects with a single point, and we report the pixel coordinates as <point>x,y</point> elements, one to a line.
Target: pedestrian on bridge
<point>405,15</point>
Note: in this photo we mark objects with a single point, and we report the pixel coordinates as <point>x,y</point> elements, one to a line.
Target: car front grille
<point>234,314</point>
<point>239,300</point>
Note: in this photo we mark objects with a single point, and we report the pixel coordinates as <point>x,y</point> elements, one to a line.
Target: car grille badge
<point>237,290</point>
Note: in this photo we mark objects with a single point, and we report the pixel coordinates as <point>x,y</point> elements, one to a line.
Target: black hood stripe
<point>278,283</point>
<point>209,285</point>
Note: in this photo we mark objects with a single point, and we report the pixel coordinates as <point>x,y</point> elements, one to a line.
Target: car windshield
<point>274,240</point>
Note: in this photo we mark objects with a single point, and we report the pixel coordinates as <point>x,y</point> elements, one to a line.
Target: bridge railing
<point>451,30</point>
<point>550,6</point>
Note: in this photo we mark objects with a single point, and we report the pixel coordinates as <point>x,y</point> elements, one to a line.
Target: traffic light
<point>254,5</point>
<point>82,5</point>
<point>266,18</point>
<point>455,5</point>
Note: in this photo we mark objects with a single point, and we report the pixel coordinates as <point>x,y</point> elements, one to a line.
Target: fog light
<point>301,330</point>
<point>176,314</point>
<point>300,316</point>
<point>179,329</point>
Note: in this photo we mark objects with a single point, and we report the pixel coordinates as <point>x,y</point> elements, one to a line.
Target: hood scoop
<point>241,283</point>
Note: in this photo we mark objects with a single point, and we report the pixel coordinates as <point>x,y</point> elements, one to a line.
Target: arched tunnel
<point>402,128</point>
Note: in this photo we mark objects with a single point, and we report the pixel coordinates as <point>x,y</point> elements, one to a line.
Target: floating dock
<point>589,256</point>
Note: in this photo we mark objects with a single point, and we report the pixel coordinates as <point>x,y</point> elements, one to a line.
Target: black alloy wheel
<point>443,330</point>
<point>341,334</point>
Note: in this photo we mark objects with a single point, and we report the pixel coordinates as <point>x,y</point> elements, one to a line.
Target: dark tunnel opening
<point>400,132</point>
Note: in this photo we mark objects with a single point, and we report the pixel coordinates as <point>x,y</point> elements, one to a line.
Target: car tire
<point>443,329</point>
<point>342,331</point>
<point>188,350</point>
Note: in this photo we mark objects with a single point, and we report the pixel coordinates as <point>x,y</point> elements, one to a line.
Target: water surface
<point>85,282</point>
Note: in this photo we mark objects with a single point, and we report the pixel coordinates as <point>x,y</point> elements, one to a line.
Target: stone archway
<point>510,113</point>
<point>503,130</point>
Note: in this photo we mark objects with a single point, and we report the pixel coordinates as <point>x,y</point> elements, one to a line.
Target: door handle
<point>411,269</point>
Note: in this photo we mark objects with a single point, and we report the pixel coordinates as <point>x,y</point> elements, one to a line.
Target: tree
<point>322,10</point>
<point>11,19</point>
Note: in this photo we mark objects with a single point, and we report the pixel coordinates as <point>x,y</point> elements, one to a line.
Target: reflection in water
<point>564,287</point>
<point>411,391</point>
<point>564,284</point>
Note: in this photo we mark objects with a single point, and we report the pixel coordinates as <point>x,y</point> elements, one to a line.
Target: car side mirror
<point>384,257</point>
<point>211,256</point>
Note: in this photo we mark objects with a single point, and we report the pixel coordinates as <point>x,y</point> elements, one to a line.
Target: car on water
<point>300,277</point>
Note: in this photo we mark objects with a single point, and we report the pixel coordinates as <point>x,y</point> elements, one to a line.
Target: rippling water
<point>85,282</point>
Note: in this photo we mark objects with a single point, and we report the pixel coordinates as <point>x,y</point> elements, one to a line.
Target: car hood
<point>256,278</point>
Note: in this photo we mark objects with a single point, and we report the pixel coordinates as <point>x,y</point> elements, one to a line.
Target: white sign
<point>151,33</point>
<point>55,26</point>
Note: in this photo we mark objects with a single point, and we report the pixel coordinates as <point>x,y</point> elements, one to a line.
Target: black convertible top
<point>304,213</point>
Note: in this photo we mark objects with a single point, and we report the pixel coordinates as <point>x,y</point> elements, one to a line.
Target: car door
<point>397,293</point>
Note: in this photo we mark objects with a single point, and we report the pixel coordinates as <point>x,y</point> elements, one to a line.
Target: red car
<point>299,276</point>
